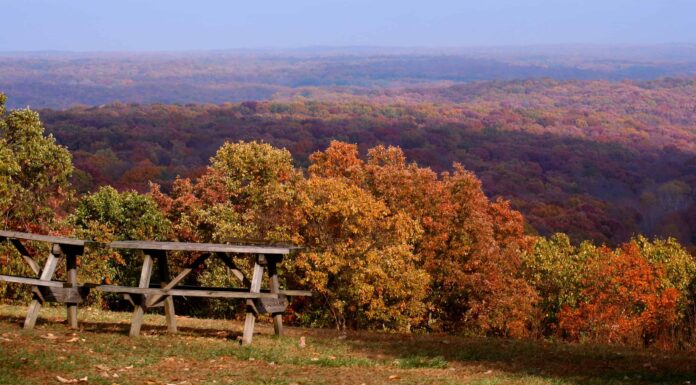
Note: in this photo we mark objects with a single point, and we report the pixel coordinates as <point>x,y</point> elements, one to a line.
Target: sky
<point>172,25</point>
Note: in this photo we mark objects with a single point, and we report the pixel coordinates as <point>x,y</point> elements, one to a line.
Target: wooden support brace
<point>26,256</point>
<point>255,287</point>
<point>184,273</point>
<point>227,260</point>
<point>140,308</point>
<point>36,303</point>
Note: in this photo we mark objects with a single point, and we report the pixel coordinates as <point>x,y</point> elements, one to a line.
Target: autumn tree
<point>107,215</point>
<point>358,257</point>
<point>251,191</point>
<point>558,271</point>
<point>356,254</point>
<point>34,172</point>
<point>470,247</point>
<point>624,301</point>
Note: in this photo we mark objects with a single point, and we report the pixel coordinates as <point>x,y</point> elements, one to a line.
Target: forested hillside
<point>383,242</point>
<point>595,159</point>
<point>64,79</point>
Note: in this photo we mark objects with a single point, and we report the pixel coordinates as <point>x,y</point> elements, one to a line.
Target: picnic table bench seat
<point>264,257</point>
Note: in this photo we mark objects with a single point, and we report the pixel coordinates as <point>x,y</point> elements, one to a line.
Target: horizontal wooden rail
<point>290,293</point>
<point>182,292</point>
<point>33,281</point>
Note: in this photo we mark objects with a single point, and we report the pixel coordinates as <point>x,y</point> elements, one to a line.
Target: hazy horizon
<point>173,26</point>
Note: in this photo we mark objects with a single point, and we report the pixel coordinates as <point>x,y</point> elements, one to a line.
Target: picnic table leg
<point>141,306</point>
<point>71,267</point>
<point>275,288</point>
<point>37,302</point>
<point>169,312</point>
<point>251,309</point>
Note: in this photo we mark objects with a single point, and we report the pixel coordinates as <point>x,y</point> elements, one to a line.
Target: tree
<point>558,271</point>
<point>34,172</point>
<point>624,300</point>
<point>251,191</point>
<point>107,215</point>
<point>469,246</point>
<point>359,257</point>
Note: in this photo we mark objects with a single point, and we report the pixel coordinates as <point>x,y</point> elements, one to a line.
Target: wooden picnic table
<point>265,258</point>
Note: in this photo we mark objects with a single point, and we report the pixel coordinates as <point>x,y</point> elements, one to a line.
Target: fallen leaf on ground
<point>65,380</point>
<point>74,339</point>
<point>103,367</point>
<point>394,377</point>
<point>49,336</point>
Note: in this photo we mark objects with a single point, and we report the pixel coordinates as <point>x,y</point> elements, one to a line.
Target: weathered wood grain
<point>31,281</point>
<point>139,312</point>
<point>43,238</point>
<point>227,260</point>
<point>26,256</point>
<point>169,313</point>
<point>200,247</point>
<point>256,278</point>
<point>277,307</point>
<point>35,306</point>
<point>200,292</point>
<point>71,269</point>
<point>180,277</point>
<point>67,295</point>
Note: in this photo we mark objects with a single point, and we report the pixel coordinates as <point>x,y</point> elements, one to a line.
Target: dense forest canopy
<point>595,159</point>
<point>384,242</point>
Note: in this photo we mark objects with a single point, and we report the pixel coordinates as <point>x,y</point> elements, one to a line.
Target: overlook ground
<point>207,352</point>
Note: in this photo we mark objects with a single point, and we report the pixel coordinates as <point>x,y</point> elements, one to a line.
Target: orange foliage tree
<point>470,247</point>
<point>624,300</point>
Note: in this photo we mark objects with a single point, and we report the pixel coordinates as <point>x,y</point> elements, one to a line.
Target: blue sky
<point>101,25</point>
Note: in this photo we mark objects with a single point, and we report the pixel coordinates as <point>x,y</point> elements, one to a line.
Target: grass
<point>207,352</point>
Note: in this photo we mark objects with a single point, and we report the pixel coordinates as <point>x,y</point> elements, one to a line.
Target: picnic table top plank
<point>43,238</point>
<point>201,247</point>
<point>154,245</point>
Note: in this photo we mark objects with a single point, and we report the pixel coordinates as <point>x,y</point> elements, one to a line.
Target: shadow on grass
<point>517,361</point>
<point>570,363</point>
